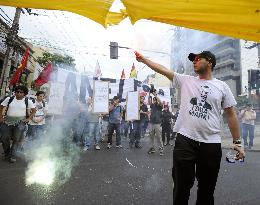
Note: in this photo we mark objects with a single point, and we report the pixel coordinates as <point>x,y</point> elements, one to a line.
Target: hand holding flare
<point>139,57</point>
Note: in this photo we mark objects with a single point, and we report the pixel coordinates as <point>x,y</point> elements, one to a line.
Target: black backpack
<point>11,99</point>
<point>33,100</point>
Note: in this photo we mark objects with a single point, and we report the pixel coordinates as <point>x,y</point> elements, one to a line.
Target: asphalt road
<point>130,177</point>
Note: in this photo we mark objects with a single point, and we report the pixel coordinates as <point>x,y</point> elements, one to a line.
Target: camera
<point>152,89</point>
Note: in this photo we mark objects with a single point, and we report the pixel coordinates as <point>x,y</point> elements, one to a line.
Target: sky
<point>87,41</point>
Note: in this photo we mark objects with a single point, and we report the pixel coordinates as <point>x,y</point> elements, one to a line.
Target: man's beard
<point>200,71</point>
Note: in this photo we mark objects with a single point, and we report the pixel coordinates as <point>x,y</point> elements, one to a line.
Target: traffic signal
<point>254,78</point>
<point>113,50</point>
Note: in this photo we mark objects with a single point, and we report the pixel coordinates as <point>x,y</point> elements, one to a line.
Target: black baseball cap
<point>204,54</point>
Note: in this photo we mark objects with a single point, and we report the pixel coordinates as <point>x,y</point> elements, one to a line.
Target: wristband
<point>237,142</point>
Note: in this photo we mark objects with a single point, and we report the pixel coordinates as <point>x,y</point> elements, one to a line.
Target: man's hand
<point>1,118</point>
<point>240,152</point>
<point>139,57</point>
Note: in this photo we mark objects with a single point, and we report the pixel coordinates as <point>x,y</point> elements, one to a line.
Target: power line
<point>11,20</point>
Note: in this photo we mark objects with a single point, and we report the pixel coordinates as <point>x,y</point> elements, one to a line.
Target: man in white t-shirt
<point>15,113</point>
<point>36,124</point>
<point>197,152</point>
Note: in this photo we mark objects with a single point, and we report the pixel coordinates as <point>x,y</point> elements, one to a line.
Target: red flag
<point>44,76</point>
<point>123,74</point>
<point>16,76</point>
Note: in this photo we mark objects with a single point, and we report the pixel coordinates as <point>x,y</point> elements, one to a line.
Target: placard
<point>100,97</point>
<point>132,106</point>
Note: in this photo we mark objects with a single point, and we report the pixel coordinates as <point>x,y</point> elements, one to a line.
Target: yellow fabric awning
<point>236,18</point>
<point>114,18</point>
<point>96,10</point>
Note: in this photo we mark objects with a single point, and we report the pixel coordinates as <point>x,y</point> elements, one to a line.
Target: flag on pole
<point>98,72</point>
<point>44,76</point>
<point>16,76</point>
<point>123,74</point>
<point>133,73</point>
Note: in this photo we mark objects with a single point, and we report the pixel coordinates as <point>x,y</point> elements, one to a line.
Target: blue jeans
<point>111,128</point>
<point>136,135</point>
<point>94,130</point>
<point>248,129</point>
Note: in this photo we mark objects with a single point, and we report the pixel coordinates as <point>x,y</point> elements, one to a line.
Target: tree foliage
<point>58,61</point>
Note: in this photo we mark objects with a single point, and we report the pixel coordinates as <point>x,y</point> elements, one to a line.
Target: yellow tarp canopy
<point>96,10</point>
<point>236,18</point>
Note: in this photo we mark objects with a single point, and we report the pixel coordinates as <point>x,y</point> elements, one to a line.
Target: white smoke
<point>51,157</point>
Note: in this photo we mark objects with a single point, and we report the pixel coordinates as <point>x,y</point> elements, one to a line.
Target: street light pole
<point>10,42</point>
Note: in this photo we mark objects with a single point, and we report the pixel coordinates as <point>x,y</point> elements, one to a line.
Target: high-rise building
<point>234,56</point>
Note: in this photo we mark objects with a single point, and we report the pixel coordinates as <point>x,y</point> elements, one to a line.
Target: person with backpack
<point>15,113</point>
<point>37,123</point>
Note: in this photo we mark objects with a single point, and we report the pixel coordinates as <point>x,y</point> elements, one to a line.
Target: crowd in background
<point>25,118</point>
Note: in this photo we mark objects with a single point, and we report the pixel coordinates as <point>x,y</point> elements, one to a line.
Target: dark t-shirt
<point>115,115</point>
<point>156,113</point>
<point>144,108</point>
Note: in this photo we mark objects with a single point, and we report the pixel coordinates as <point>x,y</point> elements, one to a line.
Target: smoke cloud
<point>52,156</point>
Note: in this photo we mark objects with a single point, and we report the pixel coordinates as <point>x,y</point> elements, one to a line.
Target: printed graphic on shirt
<point>200,107</point>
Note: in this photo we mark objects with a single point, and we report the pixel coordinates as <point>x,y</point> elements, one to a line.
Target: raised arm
<point>155,66</point>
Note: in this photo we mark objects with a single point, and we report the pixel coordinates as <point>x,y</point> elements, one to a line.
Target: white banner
<point>70,85</point>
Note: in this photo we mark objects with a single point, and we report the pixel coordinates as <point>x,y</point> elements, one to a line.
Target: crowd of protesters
<point>23,117</point>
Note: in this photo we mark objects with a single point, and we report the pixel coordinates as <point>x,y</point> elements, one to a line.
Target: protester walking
<point>135,137</point>
<point>248,116</point>
<point>93,125</point>
<point>167,117</point>
<point>15,113</point>
<point>37,123</point>
<point>115,116</point>
<point>155,121</point>
<point>197,152</point>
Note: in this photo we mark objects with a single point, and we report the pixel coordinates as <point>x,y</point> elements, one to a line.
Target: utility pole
<point>10,43</point>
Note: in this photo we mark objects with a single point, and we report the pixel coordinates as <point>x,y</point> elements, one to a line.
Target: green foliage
<point>57,60</point>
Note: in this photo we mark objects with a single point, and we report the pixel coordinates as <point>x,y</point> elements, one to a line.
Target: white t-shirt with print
<point>200,108</point>
<point>40,110</point>
<point>17,108</point>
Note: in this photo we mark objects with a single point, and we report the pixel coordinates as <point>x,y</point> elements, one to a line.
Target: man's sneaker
<point>165,143</point>
<point>12,160</point>
<point>119,146</point>
<point>85,148</point>
<point>151,150</point>
<point>109,146</point>
<point>97,147</point>
<point>161,153</point>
